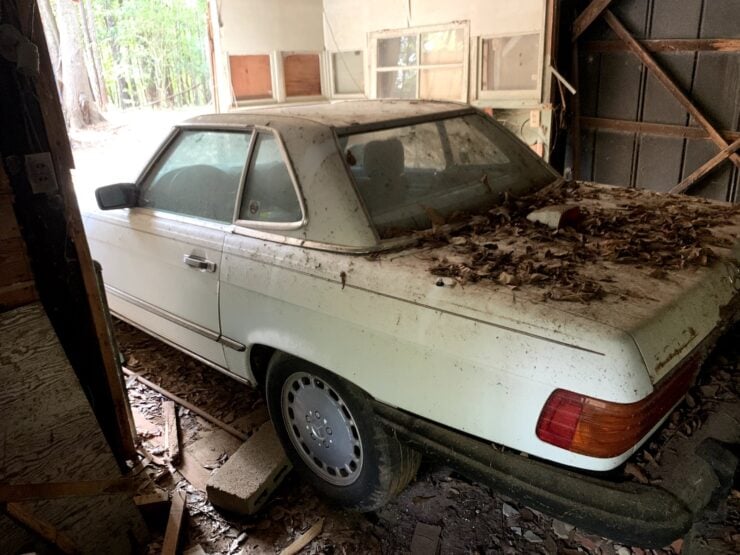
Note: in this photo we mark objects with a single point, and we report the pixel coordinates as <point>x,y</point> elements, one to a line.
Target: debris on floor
<point>471,518</point>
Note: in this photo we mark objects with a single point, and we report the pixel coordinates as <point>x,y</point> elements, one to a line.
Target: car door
<point>162,260</point>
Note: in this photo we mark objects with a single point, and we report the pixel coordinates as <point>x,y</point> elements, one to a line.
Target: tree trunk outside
<point>79,103</point>
<point>89,27</point>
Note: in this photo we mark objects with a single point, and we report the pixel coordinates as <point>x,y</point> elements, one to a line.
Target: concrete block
<point>245,482</point>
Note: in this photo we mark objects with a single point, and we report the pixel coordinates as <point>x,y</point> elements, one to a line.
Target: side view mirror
<point>120,195</point>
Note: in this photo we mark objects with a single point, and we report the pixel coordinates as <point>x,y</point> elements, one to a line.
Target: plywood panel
<point>251,77</point>
<point>50,434</point>
<point>14,266</point>
<point>302,74</point>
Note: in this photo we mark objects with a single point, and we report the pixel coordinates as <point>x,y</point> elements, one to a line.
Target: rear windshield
<point>413,176</point>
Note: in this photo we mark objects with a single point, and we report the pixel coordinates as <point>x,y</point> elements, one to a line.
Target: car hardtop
<point>343,116</point>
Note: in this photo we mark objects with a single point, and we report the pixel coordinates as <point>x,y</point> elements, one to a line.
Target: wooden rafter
<point>666,81</point>
<point>660,129</point>
<point>666,45</point>
<point>588,16</point>
<point>705,168</point>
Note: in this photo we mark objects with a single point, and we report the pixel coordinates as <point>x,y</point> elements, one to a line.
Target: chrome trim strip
<point>293,177</point>
<point>231,344</point>
<point>318,245</point>
<point>187,324</point>
<point>182,349</point>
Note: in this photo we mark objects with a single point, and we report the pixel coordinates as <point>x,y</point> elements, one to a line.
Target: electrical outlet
<point>534,118</point>
<point>40,172</point>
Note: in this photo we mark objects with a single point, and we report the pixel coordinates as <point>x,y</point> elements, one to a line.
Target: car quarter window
<point>198,175</point>
<point>269,194</point>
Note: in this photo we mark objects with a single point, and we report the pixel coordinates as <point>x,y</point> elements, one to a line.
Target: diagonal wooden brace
<point>666,81</point>
<point>705,168</point>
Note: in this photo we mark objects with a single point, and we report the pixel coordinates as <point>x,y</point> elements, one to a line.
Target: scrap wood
<point>171,435</point>
<point>192,408</point>
<point>425,540</point>
<point>304,539</point>
<point>47,531</point>
<point>55,490</point>
<point>174,523</point>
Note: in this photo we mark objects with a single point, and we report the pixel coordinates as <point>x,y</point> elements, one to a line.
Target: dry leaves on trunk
<point>623,226</point>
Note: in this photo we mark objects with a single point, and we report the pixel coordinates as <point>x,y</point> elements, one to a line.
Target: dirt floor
<point>471,518</point>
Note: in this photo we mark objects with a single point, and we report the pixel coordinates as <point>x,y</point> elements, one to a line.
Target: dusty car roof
<point>337,114</point>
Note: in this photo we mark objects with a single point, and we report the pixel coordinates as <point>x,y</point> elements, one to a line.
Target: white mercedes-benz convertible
<point>408,277</point>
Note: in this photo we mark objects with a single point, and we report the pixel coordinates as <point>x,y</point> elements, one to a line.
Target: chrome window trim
<point>319,245</point>
<point>176,131</point>
<point>294,179</point>
<point>187,324</point>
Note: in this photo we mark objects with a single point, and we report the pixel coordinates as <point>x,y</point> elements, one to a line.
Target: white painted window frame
<point>331,74</point>
<point>255,101</point>
<point>279,77</point>
<point>373,54</point>
<point>524,94</point>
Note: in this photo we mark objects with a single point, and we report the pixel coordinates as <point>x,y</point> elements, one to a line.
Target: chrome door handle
<point>199,263</point>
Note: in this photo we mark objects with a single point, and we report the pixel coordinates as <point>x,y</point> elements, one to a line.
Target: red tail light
<point>604,429</point>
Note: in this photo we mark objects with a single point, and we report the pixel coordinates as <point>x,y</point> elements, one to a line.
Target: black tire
<point>387,464</point>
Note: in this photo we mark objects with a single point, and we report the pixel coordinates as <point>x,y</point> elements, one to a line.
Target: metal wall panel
<point>615,85</point>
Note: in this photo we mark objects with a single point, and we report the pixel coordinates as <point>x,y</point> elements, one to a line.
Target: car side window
<point>269,194</point>
<point>198,175</point>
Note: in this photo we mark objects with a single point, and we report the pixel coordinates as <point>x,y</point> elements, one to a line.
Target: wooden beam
<point>171,439</point>
<point>576,113</point>
<point>647,128</point>
<point>588,16</point>
<point>191,407</point>
<point>45,530</point>
<point>56,490</point>
<point>705,168</point>
<point>174,524</point>
<point>666,81</point>
<point>666,45</point>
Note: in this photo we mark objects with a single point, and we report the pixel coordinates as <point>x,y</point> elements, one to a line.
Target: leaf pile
<point>624,226</point>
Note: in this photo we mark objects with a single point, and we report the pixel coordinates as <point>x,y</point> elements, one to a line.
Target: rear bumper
<point>631,513</point>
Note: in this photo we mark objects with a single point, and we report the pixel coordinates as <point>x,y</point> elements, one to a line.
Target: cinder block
<point>245,482</point>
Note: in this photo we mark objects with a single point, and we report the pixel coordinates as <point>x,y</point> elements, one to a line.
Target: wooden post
<point>705,168</point>
<point>576,115</point>
<point>62,155</point>
<point>666,81</point>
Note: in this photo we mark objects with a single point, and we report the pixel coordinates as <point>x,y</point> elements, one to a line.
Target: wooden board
<point>251,77</point>
<point>302,74</point>
<point>52,435</point>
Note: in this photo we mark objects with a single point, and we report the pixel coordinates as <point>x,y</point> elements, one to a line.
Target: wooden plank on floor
<point>21,514</point>
<point>171,434</point>
<point>174,524</point>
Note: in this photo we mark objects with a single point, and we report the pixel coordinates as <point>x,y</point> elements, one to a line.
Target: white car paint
<point>479,359</point>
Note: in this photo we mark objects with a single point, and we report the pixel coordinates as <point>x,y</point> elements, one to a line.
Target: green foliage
<point>153,52</point>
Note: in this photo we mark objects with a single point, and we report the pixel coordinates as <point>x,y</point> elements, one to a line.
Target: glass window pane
<point>397,84</point>
<point>198,175</point>
<point>442,47</point>
<point>406,174</point>
<point>397,51</point>
<point>510,63</point>
<point>441,83</point>
<point>251,77</point>
<point>269,195</point>
<point>302,74</point>
<point>349,72</point>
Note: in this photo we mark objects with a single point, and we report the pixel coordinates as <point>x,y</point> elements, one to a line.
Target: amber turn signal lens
<point>604,429</point>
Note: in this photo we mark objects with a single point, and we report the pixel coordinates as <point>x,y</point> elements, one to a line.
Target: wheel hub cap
<point>322,429</point>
